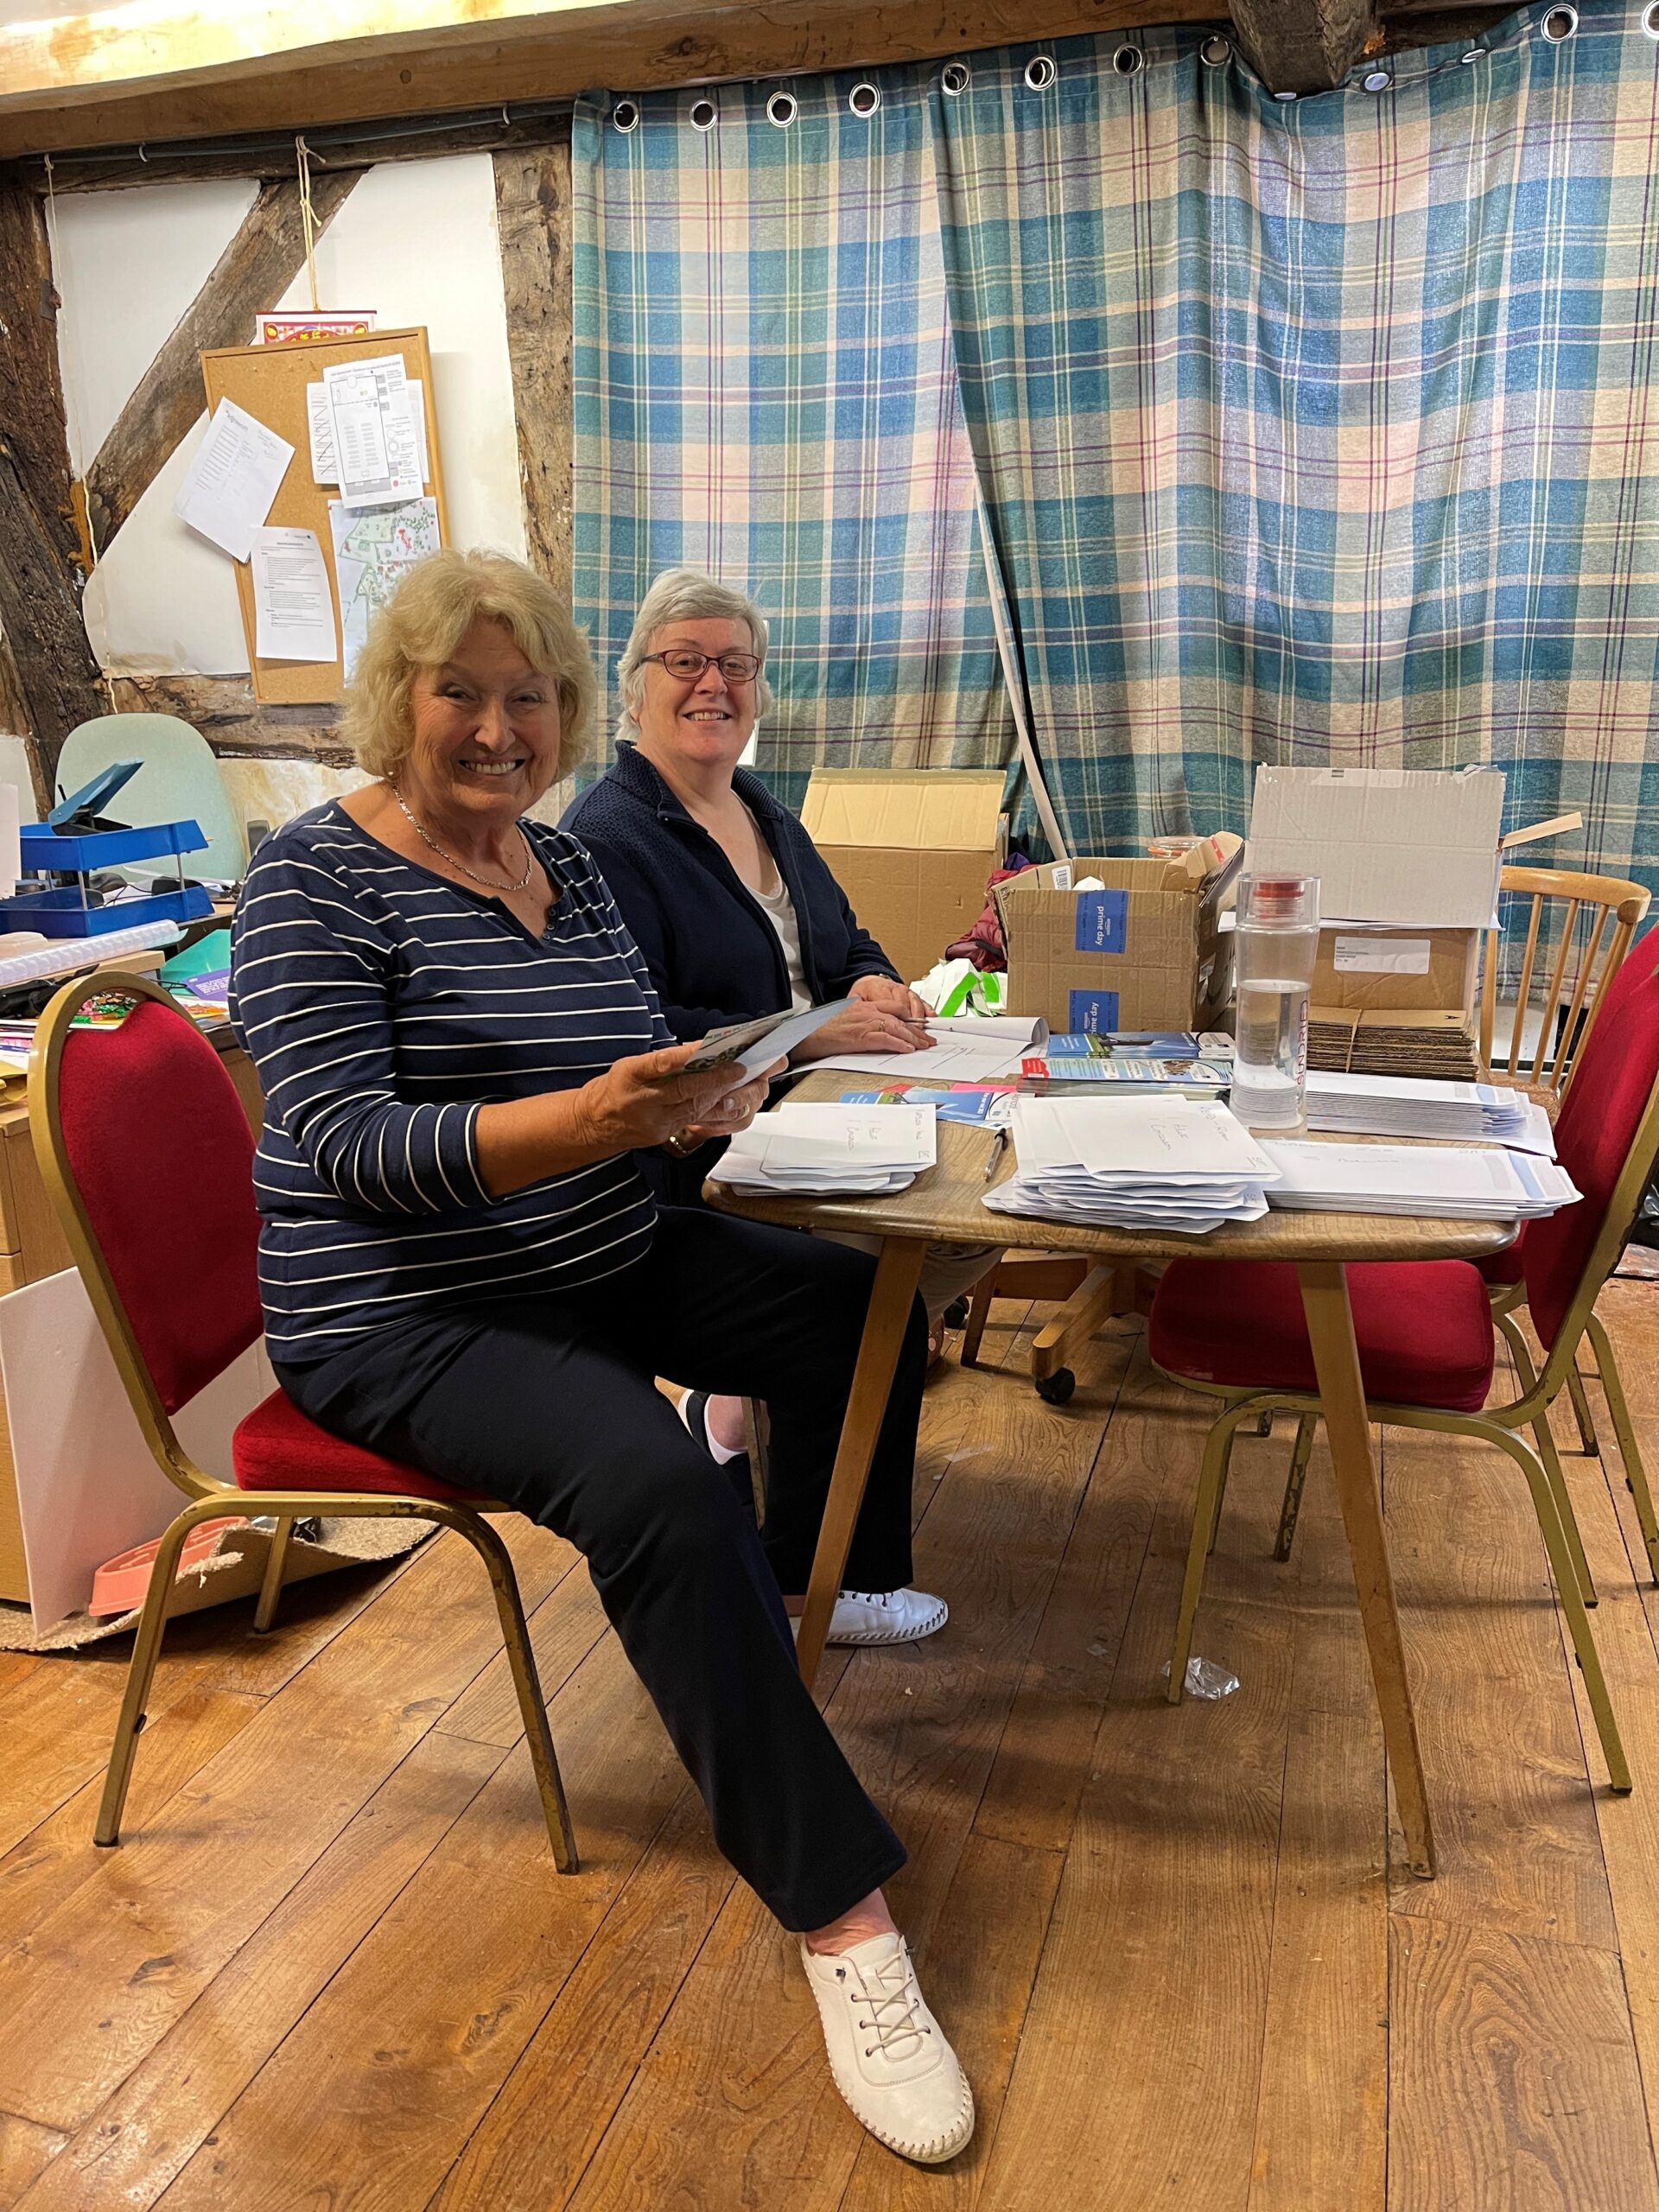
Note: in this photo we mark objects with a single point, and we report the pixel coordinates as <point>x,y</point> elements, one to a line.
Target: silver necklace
<point>523,883</point>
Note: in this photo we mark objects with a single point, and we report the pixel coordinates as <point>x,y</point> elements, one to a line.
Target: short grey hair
<point>684,595</point>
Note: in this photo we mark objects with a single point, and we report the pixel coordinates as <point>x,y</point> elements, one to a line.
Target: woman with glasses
<point>737,915</point>
<point>723,891</point>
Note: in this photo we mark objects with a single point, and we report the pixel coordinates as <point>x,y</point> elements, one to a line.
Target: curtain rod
<point>144,151</point>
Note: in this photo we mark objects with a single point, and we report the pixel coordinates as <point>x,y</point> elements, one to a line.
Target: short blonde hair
<point>684,595</point>
<point>424,622</point>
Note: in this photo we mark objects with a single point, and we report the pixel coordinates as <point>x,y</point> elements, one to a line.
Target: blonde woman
<point>462,1268</point>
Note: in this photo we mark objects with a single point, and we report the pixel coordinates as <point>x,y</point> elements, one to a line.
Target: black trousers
<point>548,1404</point>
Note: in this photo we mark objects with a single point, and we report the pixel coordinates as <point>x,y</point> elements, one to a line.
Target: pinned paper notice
<point>293,611</point>
<point>375,449</point>
<point>233,479</point>
<point>325,469</point>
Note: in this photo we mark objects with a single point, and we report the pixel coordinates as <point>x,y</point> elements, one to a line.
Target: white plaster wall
<point>127,266</point>
<point>275,791</point>
<point>416,241</point>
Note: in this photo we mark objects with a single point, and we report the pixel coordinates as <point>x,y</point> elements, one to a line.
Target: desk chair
<point>148,1160</point>
<point>1425,1332</point>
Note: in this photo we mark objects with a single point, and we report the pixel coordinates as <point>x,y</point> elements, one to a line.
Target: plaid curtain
<point>764,389</point>
<point>1310,432</point>
<point>1320,432</point>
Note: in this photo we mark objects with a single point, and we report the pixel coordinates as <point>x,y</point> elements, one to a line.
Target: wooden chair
<point>148,1160</point>
<point>1425,1331</point>
<point>1592,904</point>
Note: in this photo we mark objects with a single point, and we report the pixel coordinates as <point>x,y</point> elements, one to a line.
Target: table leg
<point>1342,1398</point>
<point>896,1273</point>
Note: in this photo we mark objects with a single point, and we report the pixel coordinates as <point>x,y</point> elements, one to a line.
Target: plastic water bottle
<point>1276,941</point>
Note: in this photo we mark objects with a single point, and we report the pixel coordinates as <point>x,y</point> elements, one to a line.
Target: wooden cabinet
<point>32,1246</point>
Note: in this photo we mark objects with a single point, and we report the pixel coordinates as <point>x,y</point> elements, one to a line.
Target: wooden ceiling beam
<point>1303,46</point>
<point>643,45</point>
<point>482,93</point>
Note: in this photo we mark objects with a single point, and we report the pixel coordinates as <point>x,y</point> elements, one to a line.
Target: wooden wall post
<point>56,675</point>
<point>532,206</point>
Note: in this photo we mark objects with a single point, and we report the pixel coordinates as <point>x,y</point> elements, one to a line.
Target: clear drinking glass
<point>1276,941</point>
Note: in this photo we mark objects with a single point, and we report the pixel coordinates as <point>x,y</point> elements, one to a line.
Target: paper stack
<point>830,1151</point>
<point>1454,1183</point>
<point>971,1048</point>
<point>1136,1162</point>
<point>1408,1106</point>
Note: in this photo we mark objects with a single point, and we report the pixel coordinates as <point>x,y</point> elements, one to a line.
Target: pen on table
<point>997,1142</point>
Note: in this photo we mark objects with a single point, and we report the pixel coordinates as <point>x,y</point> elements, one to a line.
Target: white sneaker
<point>886,1617</point>
<point>888,2054</point>
<point>881,1617</point>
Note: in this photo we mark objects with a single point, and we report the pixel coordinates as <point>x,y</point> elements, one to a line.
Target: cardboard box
<point>1135,955</point>
<point>1416,846</point>
<point>912,848</point>
<point>1390,1042</point>
<point>1367,967</point>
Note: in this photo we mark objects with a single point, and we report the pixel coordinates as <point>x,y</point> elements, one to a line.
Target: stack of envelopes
<point>1456,1183</point>
<point>1408,1106</point>
<point>830,1151</point>
<point>1144,1162</point>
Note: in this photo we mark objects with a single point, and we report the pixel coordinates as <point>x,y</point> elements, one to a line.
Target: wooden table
<point>944,1205</point>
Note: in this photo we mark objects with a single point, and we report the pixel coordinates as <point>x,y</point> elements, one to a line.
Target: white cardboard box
<point>1411,845</point>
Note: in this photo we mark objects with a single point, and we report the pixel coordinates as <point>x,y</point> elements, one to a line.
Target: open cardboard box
<point>1409,862</point>
<point>1144,953</point>
<point>912,848</point>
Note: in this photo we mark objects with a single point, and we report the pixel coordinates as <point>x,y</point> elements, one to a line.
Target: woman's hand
<point>639,1102</point>
<point>865,1028</point>
<point>652,1096</point>
<point>891,997</point>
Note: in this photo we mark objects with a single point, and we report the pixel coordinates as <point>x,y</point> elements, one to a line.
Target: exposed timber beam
<point>1303,46</point>
<point>532,204</point>
<point>213,75</point>
<point>52,670</point>
<point>252,273</point>
<point>235,723</point>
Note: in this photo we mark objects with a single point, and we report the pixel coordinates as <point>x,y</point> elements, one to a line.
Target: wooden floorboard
<point>332,1965</point>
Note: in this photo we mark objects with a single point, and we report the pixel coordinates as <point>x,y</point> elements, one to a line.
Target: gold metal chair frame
<point>209,1500</point>
<point>1497,1424</point>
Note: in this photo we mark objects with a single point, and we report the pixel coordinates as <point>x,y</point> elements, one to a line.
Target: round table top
<point>944,1205</point>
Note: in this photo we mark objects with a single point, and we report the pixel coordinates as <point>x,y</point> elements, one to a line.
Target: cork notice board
<point>269,381</point>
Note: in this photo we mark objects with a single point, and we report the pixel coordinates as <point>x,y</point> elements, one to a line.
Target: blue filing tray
<point>67,912</point>
<point>45,853</point>
<point>64,913</point>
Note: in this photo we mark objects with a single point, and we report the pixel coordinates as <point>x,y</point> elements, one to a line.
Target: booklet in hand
<point>755,1044</point>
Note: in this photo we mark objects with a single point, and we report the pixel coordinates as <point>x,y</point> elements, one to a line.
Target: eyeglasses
<point>688,666</point>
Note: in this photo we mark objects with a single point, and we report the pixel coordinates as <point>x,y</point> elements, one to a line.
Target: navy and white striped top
<point>382,1006</point>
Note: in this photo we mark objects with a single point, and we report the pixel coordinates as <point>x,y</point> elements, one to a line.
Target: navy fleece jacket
<point>713,954</point>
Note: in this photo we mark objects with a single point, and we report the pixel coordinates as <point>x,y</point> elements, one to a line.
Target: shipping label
<point>1103,922</point>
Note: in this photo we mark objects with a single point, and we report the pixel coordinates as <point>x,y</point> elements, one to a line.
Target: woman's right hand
<point>651,1096</point>
<point>864,1029</point>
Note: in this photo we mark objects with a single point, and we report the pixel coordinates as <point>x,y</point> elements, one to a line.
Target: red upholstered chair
<point>1505,1277</point>
<point>147,1156</point>
<point>1425,1330</point>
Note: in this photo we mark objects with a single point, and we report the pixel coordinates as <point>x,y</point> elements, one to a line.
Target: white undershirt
<point>780,909</point>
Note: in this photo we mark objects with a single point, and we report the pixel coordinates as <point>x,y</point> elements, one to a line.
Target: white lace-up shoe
<point>886,1617</point>
<point>888,2054</point>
